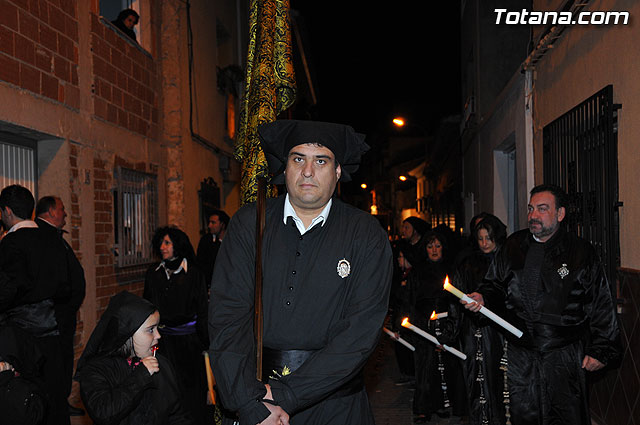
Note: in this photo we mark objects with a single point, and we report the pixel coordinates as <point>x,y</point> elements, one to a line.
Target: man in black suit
<point>36,266</point>
<point>210,243</point>
<point>51,217</point>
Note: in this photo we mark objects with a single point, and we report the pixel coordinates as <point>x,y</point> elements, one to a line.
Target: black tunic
<point>66,308</point>
<point>467,326</point>
<point>182,299</point>
<point>207,253</point>
<point>573,316</point>
<point>307,306</point>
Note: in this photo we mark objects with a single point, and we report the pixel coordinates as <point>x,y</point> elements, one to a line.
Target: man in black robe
<point>327,272</point>
<point>36,267</point>
<point>209,244</point>
<point>51,218</point>
<point>553,288</point>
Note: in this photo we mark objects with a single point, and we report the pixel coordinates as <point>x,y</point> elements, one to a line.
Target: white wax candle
<point>433,339</point>
<point>483,310</point>
<point>399,339</point>
<point>436,316</point>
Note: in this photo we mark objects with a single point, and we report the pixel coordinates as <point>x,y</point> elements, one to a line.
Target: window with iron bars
<point>17,162</point>
<point>135,200</point>
<point>581,156</point>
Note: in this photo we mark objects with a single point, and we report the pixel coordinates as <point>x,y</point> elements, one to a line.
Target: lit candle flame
<point>405,322</point>
<point>446,282</point>
<point>437,316</point>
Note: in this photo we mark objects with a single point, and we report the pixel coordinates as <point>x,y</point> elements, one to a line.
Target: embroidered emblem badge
<point>285,371</point>
<point>563,271</point>
<point>344,268</point>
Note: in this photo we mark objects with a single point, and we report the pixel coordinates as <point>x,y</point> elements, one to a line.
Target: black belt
<point>274,362</point>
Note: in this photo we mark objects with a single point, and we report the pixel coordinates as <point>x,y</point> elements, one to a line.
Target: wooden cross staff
<point>258,314</point>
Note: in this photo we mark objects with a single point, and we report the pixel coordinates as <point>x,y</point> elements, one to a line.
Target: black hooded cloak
<point>482,342</point>
<point>569,313</point>
<point>117,390</point>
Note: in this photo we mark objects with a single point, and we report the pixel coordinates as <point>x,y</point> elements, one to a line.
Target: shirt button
<point>297,254</point>
<point>291,288</point>
<point>288,302</point>
<point>293,272</point>
<point>300,237</point>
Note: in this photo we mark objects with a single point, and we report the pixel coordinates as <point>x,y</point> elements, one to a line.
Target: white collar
<point>183,266</point>
<point>290,212</point>
<point>23,224</point>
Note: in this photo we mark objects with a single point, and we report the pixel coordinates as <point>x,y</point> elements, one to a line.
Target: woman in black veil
<point>480,340</point>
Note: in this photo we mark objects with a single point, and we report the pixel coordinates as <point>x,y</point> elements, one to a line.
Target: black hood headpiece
<point>279,137</point>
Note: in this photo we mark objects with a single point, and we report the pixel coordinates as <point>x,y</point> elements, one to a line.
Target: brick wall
<point>124,80</point>
<point>39,48</point>
<point>110,279</point>
<point>73,212</point>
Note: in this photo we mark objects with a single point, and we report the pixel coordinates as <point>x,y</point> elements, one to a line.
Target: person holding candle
<point>480,339</point>
<point>434,388</point>
<point>399,306</point>
<point>327,274</point>
<point>553,287</point>
<point>121,381</point>
<point>176,285</point>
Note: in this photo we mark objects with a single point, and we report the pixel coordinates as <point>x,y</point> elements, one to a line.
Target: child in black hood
<point>122,381</point>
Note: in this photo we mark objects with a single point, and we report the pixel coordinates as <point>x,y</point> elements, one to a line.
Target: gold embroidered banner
<point>270,87</point>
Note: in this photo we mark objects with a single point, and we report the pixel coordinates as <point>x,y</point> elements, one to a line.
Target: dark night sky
<point>384,59</point>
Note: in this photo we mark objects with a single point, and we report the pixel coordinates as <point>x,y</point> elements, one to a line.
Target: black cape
<point>574,316</point>
<point>482,373</point>
<point>114,389</point>
<point>427,296</point>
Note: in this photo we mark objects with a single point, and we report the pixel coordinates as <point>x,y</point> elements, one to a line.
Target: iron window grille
<point>581,156</point>
<point>135,216</point>
<point>17,163</point>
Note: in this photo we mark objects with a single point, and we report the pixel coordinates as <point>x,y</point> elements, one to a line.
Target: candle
<point>484,310</point>
<point>436,316</point>
<point>400,340</point>
<point>210,379</point>
<point>154,349</point>
<point>433,339</point>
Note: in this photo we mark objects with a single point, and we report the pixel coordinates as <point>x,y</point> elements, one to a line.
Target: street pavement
<point>391,404</point>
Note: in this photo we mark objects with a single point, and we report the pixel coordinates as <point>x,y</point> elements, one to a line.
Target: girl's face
<point>434,250</point>
<point>166,248</point>
<point>146,336</point>
<point>485,243</point>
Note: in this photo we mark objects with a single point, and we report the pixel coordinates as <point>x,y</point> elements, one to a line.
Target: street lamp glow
<point>399,122</point>
<point>403,178</point>
<point>363,185</point>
